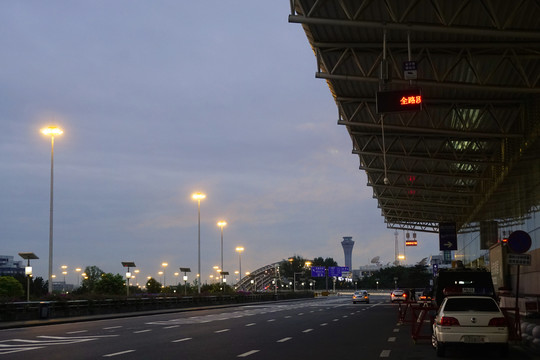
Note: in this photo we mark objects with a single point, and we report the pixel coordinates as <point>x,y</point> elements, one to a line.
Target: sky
<point>161,99</point>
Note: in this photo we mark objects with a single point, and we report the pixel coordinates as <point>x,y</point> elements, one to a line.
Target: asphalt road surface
<point>322,328</point>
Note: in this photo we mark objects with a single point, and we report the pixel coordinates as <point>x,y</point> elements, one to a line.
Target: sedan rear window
<point>471,304</point>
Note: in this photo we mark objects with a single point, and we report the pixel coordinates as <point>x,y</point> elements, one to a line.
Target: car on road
<point>360,296</point>
<point>471,320</point>
<point>427,295</point>
<point>398,295</point>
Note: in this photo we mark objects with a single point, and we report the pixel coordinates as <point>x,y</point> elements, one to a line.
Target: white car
<point>360,296</point>
<point>469,320</point>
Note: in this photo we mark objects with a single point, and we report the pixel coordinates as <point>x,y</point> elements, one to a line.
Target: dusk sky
<point>162,99</point>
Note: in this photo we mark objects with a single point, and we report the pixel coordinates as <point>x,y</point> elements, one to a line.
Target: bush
<point>10,287</point>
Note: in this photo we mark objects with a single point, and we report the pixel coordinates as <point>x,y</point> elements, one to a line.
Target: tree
<point>10,287</point>
<point>93,276</point>
<point>319,261</point>
<point>110,284</point>
<point>153,286</point>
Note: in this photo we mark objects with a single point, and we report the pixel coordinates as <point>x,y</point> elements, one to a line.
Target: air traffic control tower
<point>348,244</point>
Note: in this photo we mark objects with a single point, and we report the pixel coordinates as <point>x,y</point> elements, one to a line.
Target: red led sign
<point>399,100</point>
<point>411,243</point>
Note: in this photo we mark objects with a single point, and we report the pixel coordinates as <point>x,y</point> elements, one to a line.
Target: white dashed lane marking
<point>284,339</point>
<point>248,353</point>
<point>119,353</point>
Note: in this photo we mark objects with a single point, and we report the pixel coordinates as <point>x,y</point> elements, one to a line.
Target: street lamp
<point>128,264</point>
<point>64,272</point>
<point>51,131</point>
<point>164,268</point>
<point>185,271</point>
<point>199,197</point>
<point>28,270</point>
<point>239,250</point>
<point>221,224</point>
<point>78,270</point>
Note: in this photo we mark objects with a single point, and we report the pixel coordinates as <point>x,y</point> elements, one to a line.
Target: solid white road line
<point>181,340</point>
<point>77,332</point>
<point>248,353</point>
<point>111,327</point>
<point>171,327</point>
<point>119,353</point>
<point>385,354</point>
<point>284,339</point>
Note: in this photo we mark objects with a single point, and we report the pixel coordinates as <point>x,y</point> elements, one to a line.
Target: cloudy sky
<point>161,99</point>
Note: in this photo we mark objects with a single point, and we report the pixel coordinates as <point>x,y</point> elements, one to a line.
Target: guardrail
<point>32,310</point>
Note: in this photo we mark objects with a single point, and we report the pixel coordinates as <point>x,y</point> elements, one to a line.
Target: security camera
<point>386,181</point>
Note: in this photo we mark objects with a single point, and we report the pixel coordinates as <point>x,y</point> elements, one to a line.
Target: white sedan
<point>469,320</point>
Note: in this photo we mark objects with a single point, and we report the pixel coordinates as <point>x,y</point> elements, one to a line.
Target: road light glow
<point>52,131</point>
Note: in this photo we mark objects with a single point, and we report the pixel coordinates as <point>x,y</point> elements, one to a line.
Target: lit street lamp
<point>64,272</point>
<point>51,131</point>
<point>199,197</point>
<point>221,224</point>
<point>128,264</point>
<point>164,268</point>
<point>78,270</point>
<point>185,271</point>
<point>28,270</point>
<point>239,249</point>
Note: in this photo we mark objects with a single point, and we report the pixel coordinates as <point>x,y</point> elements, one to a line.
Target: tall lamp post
<point>28,270</point>
<point>185,271</point>
<point>164,276</point>
<point>239,249</point>
<point>199,197</point>
<point>51,131</point>
<point>128,264</point>
<point>222,224</point>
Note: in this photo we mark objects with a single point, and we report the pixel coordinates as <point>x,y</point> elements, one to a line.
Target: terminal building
<point>10,267</point>
<point>442,105</point>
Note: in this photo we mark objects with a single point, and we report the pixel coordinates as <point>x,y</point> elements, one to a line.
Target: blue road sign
<point>318,271</point>
<point>447,236</point>
<point>334,271</point>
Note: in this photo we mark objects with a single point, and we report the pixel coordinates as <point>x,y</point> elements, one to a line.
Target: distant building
<point>9,267</point>
<point>348,244</point>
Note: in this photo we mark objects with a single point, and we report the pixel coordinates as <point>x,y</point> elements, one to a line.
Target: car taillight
<point>449,321</point>
<point>499,321</point>
<point>404,295</point>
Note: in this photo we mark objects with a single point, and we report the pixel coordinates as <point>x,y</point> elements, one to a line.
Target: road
<point>323,328</point>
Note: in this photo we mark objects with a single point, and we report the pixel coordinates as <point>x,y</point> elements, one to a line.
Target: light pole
<point>221,224</point>
<point>51,131</point>
<point>164,268</point>
<point>28,270</point>
<point>64,272</point>
<point>239,249</point>
<point>185,271</point>
<point>199,197</point>
<point>78,270</point>
<point>128,264</point>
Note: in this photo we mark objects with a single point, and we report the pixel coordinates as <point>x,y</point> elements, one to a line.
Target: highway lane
<point>318,329</point>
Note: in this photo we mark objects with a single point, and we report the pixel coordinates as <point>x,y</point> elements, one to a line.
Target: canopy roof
<point>472,153</point>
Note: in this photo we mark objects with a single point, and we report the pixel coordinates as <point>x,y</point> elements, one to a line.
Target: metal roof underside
<point>472,153</point>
